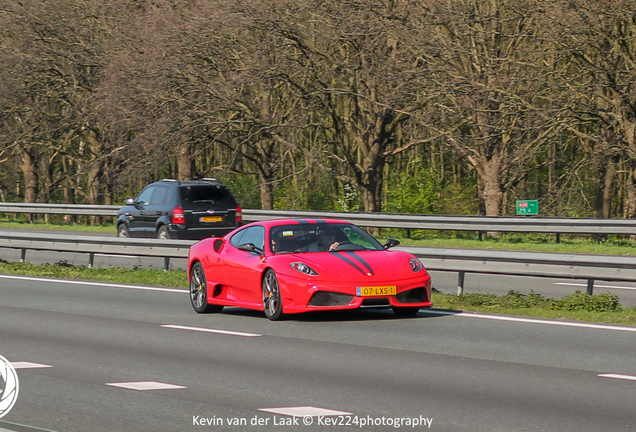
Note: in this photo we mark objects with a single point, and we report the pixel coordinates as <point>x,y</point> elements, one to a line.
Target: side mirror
<point>130,201</point>
<point>391,243</point>
<point>249,247</point>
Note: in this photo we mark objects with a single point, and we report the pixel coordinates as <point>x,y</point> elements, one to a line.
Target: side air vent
<point>415,295</point>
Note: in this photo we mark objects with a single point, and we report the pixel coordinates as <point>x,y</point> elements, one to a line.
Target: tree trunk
<point>604,192</point>
<point>94,175</point>
<point>267,194</point>
<point>29,170</point>
<point>185,161</point>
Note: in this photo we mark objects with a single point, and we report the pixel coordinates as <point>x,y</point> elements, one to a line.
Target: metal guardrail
<point>565,266</point>
<point>92,245</point>
<point>383,220</point>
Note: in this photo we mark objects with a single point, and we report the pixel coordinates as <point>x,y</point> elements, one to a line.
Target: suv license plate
<point>210,219</point>
<point>376,291</point>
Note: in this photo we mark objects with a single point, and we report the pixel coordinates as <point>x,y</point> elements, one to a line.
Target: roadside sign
<point>527,207</point>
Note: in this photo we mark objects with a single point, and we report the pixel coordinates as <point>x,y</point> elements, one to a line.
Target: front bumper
<point>303,295</point>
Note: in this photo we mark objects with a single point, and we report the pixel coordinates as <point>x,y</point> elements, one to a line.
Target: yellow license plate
<point>211,218</point>
<point>376,291</point>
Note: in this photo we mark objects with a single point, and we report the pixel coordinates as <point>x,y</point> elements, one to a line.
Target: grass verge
<point>581,244</point>
<point>603,308</point>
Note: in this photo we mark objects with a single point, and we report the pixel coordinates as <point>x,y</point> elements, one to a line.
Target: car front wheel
<point>199,291</point>
<point>272,303</point>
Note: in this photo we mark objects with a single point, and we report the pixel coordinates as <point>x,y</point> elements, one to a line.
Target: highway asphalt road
<point>77,347</point>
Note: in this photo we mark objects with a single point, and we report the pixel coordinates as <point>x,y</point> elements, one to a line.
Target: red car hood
<point>358,265</point>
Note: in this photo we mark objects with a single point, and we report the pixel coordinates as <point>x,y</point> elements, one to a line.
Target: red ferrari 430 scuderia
<point>288,266</point>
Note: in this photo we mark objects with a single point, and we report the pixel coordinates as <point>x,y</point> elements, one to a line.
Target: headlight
<point>303,268</point>
<point>416,265</point>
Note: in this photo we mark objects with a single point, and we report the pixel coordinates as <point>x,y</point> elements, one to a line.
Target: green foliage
<point>245,188</point>
<point>414,191</point>
<point>514,300</point>
<point>350,200</point>
<point>579,301</point>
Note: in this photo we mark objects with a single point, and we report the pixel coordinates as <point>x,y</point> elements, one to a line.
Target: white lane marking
<point>29,365</point>
<point>617,376</point>
<point>146,385</point>
<point>304,411</point>
<point>102,284</point>
<point>531,321</point>
<point>595,286</point>
<point>209,330</point>
<point>117,256</point>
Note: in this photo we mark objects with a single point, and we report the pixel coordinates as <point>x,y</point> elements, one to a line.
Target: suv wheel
<point>162,232</point>
<point>122,231</point>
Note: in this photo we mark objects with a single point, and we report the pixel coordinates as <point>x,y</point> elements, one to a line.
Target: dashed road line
<point>304,411</point>
<point>146,385</point>
<point>209,330</point>
<point>617,376</point>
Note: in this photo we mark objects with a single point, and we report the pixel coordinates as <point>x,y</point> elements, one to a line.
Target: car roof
<point>298,221</point>
<point>204,181</point>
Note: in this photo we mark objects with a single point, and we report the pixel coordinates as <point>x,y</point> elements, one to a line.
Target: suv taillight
<point>177,216</point>
<point>239,214</point>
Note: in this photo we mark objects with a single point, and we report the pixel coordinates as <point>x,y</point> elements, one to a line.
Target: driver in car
<point>326,241</point>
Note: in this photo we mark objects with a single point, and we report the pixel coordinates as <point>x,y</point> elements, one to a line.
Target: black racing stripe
<point>361,260</point>
<point>348,261</point>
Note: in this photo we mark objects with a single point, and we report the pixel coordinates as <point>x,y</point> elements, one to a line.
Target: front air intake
<point>327,298</point>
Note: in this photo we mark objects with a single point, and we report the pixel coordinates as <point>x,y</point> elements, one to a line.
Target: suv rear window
<point>193,196</point>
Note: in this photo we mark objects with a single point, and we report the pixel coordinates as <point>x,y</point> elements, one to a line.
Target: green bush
<point>579,301</point>
<point>513,300</point>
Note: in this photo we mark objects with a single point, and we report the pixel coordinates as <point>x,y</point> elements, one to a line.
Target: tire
<point>162,232</point>
<point>272,302</point>
<point>199,292</point>
<point>406,311</point>
<point>122,230</point>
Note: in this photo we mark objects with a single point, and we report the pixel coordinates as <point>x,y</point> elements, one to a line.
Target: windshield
<point>320,237</point>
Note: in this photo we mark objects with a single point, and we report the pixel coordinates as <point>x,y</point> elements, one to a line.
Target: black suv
<point>193,209</point>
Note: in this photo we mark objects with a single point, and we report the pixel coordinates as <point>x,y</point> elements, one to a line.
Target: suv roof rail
<point>170,180</point>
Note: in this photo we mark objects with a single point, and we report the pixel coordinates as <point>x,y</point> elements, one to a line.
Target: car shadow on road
<point>364,314</point>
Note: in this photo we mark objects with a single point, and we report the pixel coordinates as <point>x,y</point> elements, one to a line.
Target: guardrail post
<point>558,237</point>
<point>460,283</point>
<point>91,258</point>
<point>408,233</point>
<point>23,255</point>
<point>590,286</point>
<point>166,263</point>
